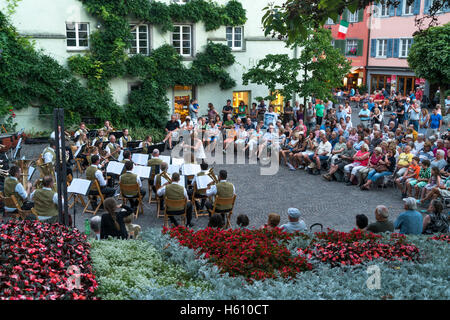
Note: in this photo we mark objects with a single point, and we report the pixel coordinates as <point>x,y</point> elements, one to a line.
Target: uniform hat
<point>294,213</point>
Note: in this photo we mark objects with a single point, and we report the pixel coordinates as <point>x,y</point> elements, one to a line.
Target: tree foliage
<point>429,56</point>
<point>319,68</point>
<point>294,18</point>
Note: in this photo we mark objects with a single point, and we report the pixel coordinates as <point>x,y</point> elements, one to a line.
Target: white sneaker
<point>301,167</point>
<point>291,167</point>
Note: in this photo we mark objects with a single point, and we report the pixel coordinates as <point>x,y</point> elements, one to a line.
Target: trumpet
<point>166,176</point>
<point>213,176</point>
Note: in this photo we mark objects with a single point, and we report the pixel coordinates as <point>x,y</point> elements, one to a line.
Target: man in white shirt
<point>322,153</point>
<point>94,173</point>
<point>14,187</point>
<point>46,201</point>
<point>49,153</point>
<point>270,117</point>
<point>223,189</point>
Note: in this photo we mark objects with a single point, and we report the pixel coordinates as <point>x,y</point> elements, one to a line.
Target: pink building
<point>391,36</point>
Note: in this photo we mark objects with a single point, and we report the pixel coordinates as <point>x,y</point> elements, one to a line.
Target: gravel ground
<point>332,204</point>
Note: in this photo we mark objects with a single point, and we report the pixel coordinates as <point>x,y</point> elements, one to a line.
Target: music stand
<point>160,146</point>
<point>92,134</point>
<point>18,147</point>
<point>117,134</point>
<point>133,144</point>
<point>79,187</point>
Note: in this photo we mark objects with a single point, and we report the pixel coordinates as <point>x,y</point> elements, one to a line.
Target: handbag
<point>381,168</point>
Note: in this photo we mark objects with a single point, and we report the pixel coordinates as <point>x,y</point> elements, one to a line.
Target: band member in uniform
<point>223,189</point>
<point>82,129</point>
<point>126,156</point>
<point>145,144</point>
<point>153,162</point>
<point>158,182</point>
<point>202,193</point>
<point>113,148</point>
<point>94,173</point>
<point>123,141</point>
<point>101,137</point>
<point>130,178</point>
<point>49,153</point>
<point>174,191</point>
<point>108,128</point>
<point>46,201</point>
<point>14,187</point>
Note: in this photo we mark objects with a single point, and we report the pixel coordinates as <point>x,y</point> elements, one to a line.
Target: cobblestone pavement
<point>332,204</point>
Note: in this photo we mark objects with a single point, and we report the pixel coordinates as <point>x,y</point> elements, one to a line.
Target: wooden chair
<point>100,195</point>
<point>11,202</point>
<point>79,166</point>
<point>198,212</point>
<point>174,204</point>
<point>131,189</point>
<point>225,202</point>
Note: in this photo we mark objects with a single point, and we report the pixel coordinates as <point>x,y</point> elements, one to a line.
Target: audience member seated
<point>410,221</point>
<point>273,220</point>
<point>216,221</point>
<point>242,221</point>
<point>112,224</point>
<point>294,224</point>
<point>382,223</point>
<point>362,221</point>
<point>435,221</point>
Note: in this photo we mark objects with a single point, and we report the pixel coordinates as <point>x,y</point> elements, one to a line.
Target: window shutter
<point>400,8</point>
<point>359,50</point>
<point>396,48</point>
<point>345,15</point>
<point>340,44</point>
<point>389,48</point>
<point>373,47</point>
<point>361,14</point>
<point>416,10</point>
<point>426,8</point>
<point>391,10</point>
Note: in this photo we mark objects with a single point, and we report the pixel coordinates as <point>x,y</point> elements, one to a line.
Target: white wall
<point>44,21</point>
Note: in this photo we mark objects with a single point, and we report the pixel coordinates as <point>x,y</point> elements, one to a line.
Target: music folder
<point>178,161</point>
<point>165,159</point>
<point>140,159</point>
<point>115,167</point>
<point>172,169</point>
<point>142,171</point>
<point>190,169</point>
<point>120,158</point>
<point>203,181</point>
<point>79,186</point>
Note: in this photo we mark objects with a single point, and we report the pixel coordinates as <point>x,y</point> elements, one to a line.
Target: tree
<point>295,17</point>
<point>319,68</point>
<point>429,57</point>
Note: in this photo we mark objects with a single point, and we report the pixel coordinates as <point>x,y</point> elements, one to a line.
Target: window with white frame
<point>182,39</point>
<point>140,39</point>
<point>330,21</point>
<point>407,8</point>
<point>234,37</point>
<point>381,48</point>
<point>351,47</point>
<point>77,34</point>
<point>405,45</point>
<point>383,10</point>
<point>353,17</point>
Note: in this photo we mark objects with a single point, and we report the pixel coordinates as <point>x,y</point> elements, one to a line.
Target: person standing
<point>414,115</point>
<point>320,110</point>
<point>364,115</point>
<point>288,114</point>
<point>212,113</point>
<point>435,123</point>
<point>226,110</point>
<point>310,115</point>
<point>242,111</point>
<point>193,111</point>
<point>261,110</point>
<point>270,117</point>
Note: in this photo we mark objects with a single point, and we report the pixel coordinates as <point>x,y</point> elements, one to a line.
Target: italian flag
<point>343,27</point>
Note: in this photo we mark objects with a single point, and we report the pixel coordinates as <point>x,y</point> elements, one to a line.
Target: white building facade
<point>61,29</point>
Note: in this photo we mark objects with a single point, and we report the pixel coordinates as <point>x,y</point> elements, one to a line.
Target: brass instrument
<point>4,173</point>
<point>45,169</point>
<point>24,165</point>
<point>166,176</point>
<point>213,176</point>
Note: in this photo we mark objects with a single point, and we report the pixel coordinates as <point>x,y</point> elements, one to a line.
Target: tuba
<point>213,176</point>
<point>24,165</point>
<point>45,170</point>
<point>166,176</point>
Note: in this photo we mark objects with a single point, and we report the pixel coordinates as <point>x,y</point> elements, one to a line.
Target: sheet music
<point>203,181</point>
<point>190,169</point>
<point>115,167</point>
<point>178,161</point>
<point>142,171</point>
<point>140,159</point>
<point>172,169</point>
<point>78,151</point>
<point>120,156</point>
<point>79,186</point>
<point>165,159</point>
<point>31,171</point>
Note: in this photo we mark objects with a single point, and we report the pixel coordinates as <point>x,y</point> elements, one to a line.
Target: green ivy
<point>163,68</point>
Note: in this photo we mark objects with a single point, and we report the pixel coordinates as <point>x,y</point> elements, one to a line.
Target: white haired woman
<point>360,161</point>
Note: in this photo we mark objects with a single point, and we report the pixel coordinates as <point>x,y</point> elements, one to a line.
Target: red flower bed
<point>254,254</point>
<point>356,247</point>
<point>442,237</point>
<point>36,261</point>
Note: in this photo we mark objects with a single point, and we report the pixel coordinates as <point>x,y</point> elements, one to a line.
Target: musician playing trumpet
<point>13,186</point>
<point>108,128</point>
<point>145,144</point>
<point>82,130</point>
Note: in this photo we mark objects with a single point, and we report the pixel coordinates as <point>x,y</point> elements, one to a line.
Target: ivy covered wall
<point>38,79</point>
